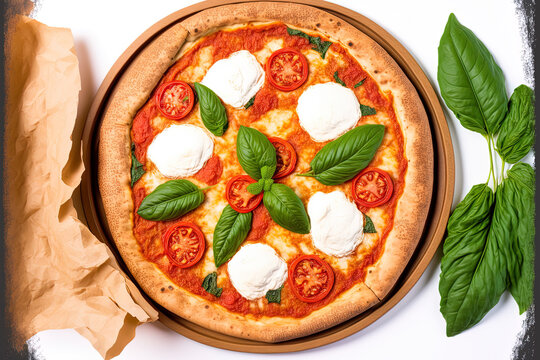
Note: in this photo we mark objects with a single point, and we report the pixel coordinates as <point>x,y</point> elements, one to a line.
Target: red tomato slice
<point>372,187</point>
<point>287,69</point>
<point>239,197</point>
<point>310,278</point>
<point>184,244</point>
<point>174,99</point>
<point>286,157</point>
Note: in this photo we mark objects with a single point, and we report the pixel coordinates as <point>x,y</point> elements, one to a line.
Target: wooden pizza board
<point>434,227</point>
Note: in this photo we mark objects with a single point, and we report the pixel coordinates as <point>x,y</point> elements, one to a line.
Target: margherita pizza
<point>266,170</point>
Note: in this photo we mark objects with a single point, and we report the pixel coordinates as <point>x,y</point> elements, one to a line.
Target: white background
<point>414,329</point>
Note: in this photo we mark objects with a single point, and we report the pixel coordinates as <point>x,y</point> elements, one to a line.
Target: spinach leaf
<point>517,131</point>
<point>250,102</point>
<point>513,229</point>
<point>359,83</point>
<point>369,227</point>
<point>318,45</point>
<point>367,110</point>
<point>338,80</point>
<point>286,208</point>
<point>213,113</point>
<point>341,159</point>
<point>254,151</point>
<point>472,84</point>
<point>473,274</point>
<point>231,230</point>
<point>137,169</point>
<point>274,296</point>
<point>171,200</point>
<point>210,284</point>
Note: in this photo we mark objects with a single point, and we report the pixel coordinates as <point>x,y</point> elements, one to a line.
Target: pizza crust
<point>136,85</point>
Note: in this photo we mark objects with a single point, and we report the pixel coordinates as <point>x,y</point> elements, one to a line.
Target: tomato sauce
<point>253,39</point>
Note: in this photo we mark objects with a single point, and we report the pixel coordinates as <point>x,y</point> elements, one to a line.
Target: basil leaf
<point>369,227</point>
<point>472,84</point>
<point>274,296</point>
<point>256,188</point>
<point>231,230</point>
<point>250,102</point>
<point>318,45</point>
<point>473,274</point>
<point>213,113</point>
<point>137,169</point>
<point>517,131</point>
<point>254,151</point>
<point>210,284</point>
<point>341,159</point>
<point>286,208</point>
<point>367,110</point>
<point>359,83</point>
<point>171,200</point>
<point>513,229</point>
<point>338,80</point>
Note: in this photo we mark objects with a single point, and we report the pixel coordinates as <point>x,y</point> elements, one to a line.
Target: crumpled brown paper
<point>59,274</point>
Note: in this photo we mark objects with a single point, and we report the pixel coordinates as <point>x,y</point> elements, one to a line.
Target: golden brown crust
<point>114,164</point>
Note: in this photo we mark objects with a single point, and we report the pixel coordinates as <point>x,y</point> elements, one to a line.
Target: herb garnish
<point>137,169</point>
<point>359,83</point>
<point>338,80</point>
<point>367,110</point>
<point>274,296</point>
<point>250,102</point>
<point>318,45</point>
<point>213,113</point>
<point>369,227</point>
<point>210,284</point>
<point>231,230</point>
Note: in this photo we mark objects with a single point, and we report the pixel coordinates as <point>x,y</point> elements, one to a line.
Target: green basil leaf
<point>473,274</point>
<point>359,83</point>
<point>137,169</point>
<point>213,113</point>
<point>286,208</point>
<point>231,230</point>
<point>517,131</point>
<point>338,80</point>
<point>274,296</point>
<point>210,284</point>
<point>256,188</point>
<point>513,229</point>
<point>343,158</point>
<point>369,227</point>
<point>171,200</point>
<point>254,151</point>
<point>250,102</point>
<point>471,82</point>
<point>367,110</point>
<point>318,45</point>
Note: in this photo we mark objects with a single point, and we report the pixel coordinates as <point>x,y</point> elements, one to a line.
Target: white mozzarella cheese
<point>235,79</point>
<point>180,150</point>
<point>255,269</point>
<point>337,226</point>
<point>327,111</point>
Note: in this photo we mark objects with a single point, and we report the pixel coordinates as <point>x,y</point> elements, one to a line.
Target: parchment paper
<point>59,274</point>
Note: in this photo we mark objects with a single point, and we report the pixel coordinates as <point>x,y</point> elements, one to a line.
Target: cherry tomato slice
<point>287,69</point>
<point>239,197</point>
<point>286,157</point>
<point>310,278</point>
<point>175,99</point>
<point>372,187</point>
<point>184,244</point>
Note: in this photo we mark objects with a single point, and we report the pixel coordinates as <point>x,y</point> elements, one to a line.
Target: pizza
<point>265,170</point>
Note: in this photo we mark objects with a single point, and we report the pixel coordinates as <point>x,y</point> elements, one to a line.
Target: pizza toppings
<point>184,244</point>
<point>310,278</point>
<point>285,155</point>
<point>337,226</point>
<point>180,150</point>
<point>256,269</point>
<point>327,110</point>
<point>287,69</point>
<point>372,187</point>
<point>175,99</point>
<point>235,79</point>
<point>239,197</point>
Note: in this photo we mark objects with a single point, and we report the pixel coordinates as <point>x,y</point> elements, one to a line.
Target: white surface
<point>414,329</point>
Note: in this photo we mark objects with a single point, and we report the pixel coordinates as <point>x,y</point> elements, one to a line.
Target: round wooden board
<point>435,224</point>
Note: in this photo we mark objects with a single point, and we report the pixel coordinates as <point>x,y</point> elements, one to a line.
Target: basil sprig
<point>254,151</point>
<point>210,285</point>
<point>318,44</point>
<point>171,200</point>
<point>286,208</point>
<point>231,230</point>
<point>213,113</point>
<point>137,169</point>
<point>343,158</point>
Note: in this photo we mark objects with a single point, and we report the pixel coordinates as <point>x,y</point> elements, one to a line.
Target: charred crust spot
<point>208,20</point>
<point>196,30</point>
<point>350,43</point>
<point>206,306</point>
<point>170,287</point>
<point>338,23</point>
<point>318,24</point>
<point>376,71</point>
<point>162,289</point>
